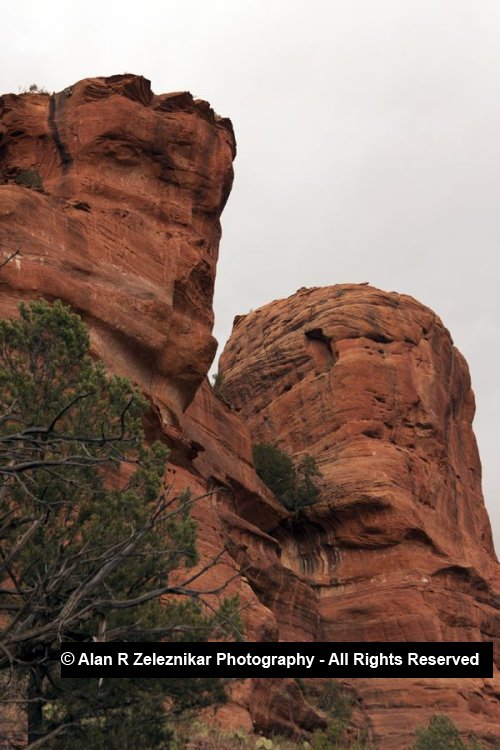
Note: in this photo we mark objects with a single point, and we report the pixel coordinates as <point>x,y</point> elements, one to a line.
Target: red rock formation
<point>399,547</point>
<point>126,228</point>
<point>112,197</point>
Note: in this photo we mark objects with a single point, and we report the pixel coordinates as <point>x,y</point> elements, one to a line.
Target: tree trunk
<point>34,706</point>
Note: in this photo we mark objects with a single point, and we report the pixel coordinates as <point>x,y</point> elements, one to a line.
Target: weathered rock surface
<point>111,197</point>
<point>399,547</point>
<point>126,228</point>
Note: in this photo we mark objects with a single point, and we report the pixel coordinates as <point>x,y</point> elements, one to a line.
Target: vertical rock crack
<point>64,154</point>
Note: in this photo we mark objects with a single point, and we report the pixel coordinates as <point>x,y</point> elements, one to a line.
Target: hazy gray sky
<point>368,144</point>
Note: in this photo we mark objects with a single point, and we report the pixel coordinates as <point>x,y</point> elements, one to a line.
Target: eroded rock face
<point>399,547</point>
<point>126,228</point>
<point>111,197</point>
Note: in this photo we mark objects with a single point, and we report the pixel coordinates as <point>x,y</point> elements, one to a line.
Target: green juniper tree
<point>89,538</point>
<point>293,485</point>
<point>275,468</point>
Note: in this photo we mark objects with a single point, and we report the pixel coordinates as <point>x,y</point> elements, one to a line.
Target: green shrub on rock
<point>29,178</point>
<point>293,486</point>
<point>441,734</point>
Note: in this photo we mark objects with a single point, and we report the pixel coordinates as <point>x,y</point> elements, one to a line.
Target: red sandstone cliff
<point>399,547</point>
<point>126,230</point>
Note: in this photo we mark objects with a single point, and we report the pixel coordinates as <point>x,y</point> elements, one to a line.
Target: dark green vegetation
<point>218,384</point>
<point>442,734</point>
<point>337,703</point>
<point>89,538</point>
<point>294,486</point>
<point>29,178</point>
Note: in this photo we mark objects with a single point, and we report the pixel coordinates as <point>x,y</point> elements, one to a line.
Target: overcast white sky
<point>368,144</point>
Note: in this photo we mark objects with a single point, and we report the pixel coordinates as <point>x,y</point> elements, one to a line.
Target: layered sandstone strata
<point>112,196</point>
<point>399,547</point>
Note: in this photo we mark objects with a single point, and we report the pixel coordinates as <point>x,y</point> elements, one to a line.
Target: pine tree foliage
<point>294,486</point>
<point>89,538</point>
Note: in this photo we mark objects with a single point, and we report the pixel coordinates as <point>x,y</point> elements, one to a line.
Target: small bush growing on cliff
<point>33,88</point>
<point>219,389</point>
<point>337,702</point>
<point>305,473</point>
<point>293,485</point>
<point>29,178</point>
<point>442,734</point>
<point>218,386</point>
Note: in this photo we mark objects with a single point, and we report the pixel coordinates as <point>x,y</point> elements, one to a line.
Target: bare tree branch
<point>9,258</point>
<point>90,546</point>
